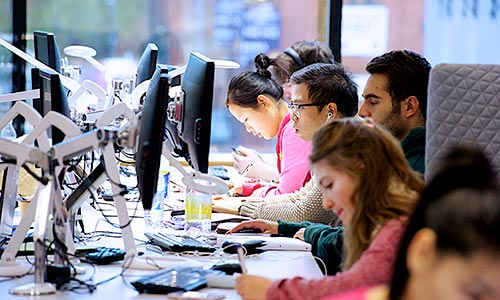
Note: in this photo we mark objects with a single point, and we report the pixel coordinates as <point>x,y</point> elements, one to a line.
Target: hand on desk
<point>300,234</point>
<point>251,287</point>
<point>235,188</point>
<point>228,205</point>
<point>262,225</point>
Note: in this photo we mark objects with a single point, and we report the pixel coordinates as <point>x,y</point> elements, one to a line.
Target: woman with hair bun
<point>256,100</point>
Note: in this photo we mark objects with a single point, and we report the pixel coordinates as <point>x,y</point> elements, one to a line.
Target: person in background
<point>451,247</point>
<point>299,55</point>
<point>322,93</point>
<point>395,96</point>
<point>255,100</point>
<point>367,182</point>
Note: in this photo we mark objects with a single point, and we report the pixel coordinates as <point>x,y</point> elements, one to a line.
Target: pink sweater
<point>292,162</point>
<point>373,267</point>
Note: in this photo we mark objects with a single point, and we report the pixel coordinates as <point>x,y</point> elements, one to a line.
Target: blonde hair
<point>387,185</point>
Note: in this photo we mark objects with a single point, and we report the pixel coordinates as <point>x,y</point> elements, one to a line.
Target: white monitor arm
<point>66,81</point>
<point>195,179</point>
<point>94,89</point>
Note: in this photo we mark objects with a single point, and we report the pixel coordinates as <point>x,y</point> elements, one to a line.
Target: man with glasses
<point>321,92</point>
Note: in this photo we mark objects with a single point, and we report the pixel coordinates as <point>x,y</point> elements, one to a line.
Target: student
<point>368,183</point>
<point>255,100</point>
<point>299,55</point>
<point>293,58</point>
<point>322,93</point>
<point>451,248</point>
<point>395,96</point>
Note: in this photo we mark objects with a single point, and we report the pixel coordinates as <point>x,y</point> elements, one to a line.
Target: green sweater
<point>414,148</point>
<point>326,241</point>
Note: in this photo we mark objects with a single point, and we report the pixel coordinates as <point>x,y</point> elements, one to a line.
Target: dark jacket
<point>414,148</point>
<point>326,242</point>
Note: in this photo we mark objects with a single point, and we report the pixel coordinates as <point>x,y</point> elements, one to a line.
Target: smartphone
<point>236,151</point>
<point>194,296</point>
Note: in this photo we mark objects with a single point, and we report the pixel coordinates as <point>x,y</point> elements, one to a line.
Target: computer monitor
<point>147,63</point>
<point>147,160</point>
<point>188,127</point>
<point>52,98</point>
<point>46,49</point>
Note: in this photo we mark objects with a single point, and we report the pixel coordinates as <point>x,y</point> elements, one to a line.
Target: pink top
<point>292,161</point>
<point>364,293</point>
<point>374,267</point>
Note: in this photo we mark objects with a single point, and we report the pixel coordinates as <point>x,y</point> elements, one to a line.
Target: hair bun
<point>262,62</point>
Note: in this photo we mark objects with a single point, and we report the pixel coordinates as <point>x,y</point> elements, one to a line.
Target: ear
<point>410,106</point>
<point>332,107</point>
<point>421,253</point>
<point>263,100</point>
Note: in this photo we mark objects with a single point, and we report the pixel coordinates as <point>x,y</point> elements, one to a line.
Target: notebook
<point>272,242</point>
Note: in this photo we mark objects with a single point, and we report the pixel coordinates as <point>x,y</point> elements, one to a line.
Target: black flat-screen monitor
<point>147,63</point>
<point>188,127</point>
<point>151,133</point>
<point>46,49</point>
<point>52,98</point>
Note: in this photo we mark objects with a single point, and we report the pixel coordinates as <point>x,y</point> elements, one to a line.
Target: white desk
<point>272,264</point>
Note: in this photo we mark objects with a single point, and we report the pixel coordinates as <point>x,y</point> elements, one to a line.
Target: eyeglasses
<point>296,108</point>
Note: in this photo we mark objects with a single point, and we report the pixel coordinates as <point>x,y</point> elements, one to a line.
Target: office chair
<point>463,110</point>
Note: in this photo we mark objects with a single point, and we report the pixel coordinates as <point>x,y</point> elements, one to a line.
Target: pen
<point>241,258</point>
<point>246,170</point>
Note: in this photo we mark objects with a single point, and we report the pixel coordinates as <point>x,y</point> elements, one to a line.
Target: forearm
<point>269,172</point>
<point>293,212</point>
<point>290,228</point>
<point>327,244</point>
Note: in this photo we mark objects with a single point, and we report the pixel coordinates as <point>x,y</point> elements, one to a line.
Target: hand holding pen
<point>243,157</point>
<point>246,170</point>
<point>236,188</point>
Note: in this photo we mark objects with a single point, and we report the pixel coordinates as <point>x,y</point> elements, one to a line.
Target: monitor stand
<point>45,196</point>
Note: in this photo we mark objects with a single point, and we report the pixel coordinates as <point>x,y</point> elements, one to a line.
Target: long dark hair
<point>461,204</point>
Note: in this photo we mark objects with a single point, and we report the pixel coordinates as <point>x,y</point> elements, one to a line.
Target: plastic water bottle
<point>164,177</point>
<point>198,213</point>
<point>157,210</point>
<point>8,132</point>
<point>154,218</point>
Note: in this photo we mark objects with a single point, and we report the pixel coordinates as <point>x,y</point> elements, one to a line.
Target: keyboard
<point>175,243</point>
<point>105,255</point>
<point>174,280</point>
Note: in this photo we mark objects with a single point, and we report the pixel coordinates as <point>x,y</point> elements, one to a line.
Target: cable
<point>325,269</point>
<point>44,180</point>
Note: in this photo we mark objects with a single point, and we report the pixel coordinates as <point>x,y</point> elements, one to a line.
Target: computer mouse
<point>251,246</point>
<point>228,268</point>
<point>249,230</point>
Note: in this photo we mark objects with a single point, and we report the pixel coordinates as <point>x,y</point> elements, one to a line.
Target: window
<point>222,29</point>
<point>452,31</point>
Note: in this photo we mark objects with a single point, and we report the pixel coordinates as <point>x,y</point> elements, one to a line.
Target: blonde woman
<point>367,182</point>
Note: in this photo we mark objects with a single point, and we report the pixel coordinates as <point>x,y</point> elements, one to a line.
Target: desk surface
<point>271,264</point>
